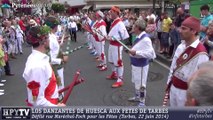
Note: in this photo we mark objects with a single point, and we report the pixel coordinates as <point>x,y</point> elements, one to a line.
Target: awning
<point>86,7</point>
<point>105,6</point>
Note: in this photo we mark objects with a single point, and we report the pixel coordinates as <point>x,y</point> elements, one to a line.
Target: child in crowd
<point>151,30</point>
<point>174,39</point>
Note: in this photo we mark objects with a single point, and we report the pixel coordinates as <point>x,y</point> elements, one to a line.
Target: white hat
<point>71,17</point>
<point>100,13</point>
<point>32,22</point>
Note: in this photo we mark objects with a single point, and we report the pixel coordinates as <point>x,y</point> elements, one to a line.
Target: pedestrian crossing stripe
<point>1,84</point>
<point>3,80</point>
<point>1,90</point>
<point>1,93</point>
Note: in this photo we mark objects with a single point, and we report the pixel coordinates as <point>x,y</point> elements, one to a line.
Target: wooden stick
<point>166,98</point>
<point>62,39</point>
<point>72,84</point>
<point>99,32</point>
<point>121,43</point>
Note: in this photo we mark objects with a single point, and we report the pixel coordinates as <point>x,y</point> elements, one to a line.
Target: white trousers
<point>139,76</point>
<point>100,49</point>
<point>89,41</point>
<point>113,54</point>
<point>19,45</point>
<point>11,48</point>
<point>61,75</point>
<point>177,97</point>
<point>93,41</point>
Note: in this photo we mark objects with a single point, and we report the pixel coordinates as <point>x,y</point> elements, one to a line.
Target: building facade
<point>106,4</point>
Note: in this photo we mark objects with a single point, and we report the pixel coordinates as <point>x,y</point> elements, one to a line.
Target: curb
<point>163,59</point>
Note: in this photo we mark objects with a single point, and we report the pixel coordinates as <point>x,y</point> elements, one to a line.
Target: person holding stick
<point>100,40</point>
<point>57,57</point>
<point>141,53</point>
<point>41,82</point>
<point>117,31</point>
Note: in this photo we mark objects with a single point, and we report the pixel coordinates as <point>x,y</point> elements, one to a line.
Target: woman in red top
<point>22,25</point>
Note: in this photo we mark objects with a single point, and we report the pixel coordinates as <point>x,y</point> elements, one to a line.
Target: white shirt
<point>87,21</point>
<point>72,25</point>
<point>151,16</point>
<point>189,68</point>
<point>38,69</point>
<point>54,49</point>
<point>144,48</point>
<point>102,29</point>
<point>119,28</point>
<point>126,22</point>
<point>76,18</point>
<point>19,32</point>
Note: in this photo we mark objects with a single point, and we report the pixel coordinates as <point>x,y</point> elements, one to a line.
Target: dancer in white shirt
<point>42,89</point>
<point>119,32</point>
<point>140,55</point>
<point>56,56</point>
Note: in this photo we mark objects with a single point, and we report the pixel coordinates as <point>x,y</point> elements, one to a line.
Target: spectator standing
<point>73,29</point>
<point>19,36</point>
<point>165,33</point>
<point>174,38</point>
<point>205,21</point>
<point>159,21</point>
<point>22,24</point>
<point>143,16</point>
<point>181,16</point>
<point>208,40</point>
<point>150,15</point>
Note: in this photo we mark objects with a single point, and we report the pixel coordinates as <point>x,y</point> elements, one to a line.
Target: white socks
<point>120,71</point>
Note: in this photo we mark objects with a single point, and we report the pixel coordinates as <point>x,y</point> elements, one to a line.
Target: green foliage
<point>57,7</point>
<point>44,30</point>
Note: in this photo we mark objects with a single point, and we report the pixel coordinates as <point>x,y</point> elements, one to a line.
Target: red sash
<point>51,89</point>
<point>115,43</point>
<point>179,83</point>
<point>114,23</point>
<point>96,26</point>
<point>184,58</point>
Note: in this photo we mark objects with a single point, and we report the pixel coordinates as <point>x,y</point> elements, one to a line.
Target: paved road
<point>95,91</point>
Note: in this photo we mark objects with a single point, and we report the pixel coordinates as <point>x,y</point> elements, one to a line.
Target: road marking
<point>3,81</point>
<point>162,64</point>
<point>1,84</point>
<point>1,90</point>
<point>1,93</point>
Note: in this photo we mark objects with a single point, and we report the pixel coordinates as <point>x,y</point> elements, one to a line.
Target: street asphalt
<point>96,90</point>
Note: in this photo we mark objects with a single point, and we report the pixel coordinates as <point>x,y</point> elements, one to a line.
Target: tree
<point>58,8</point>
